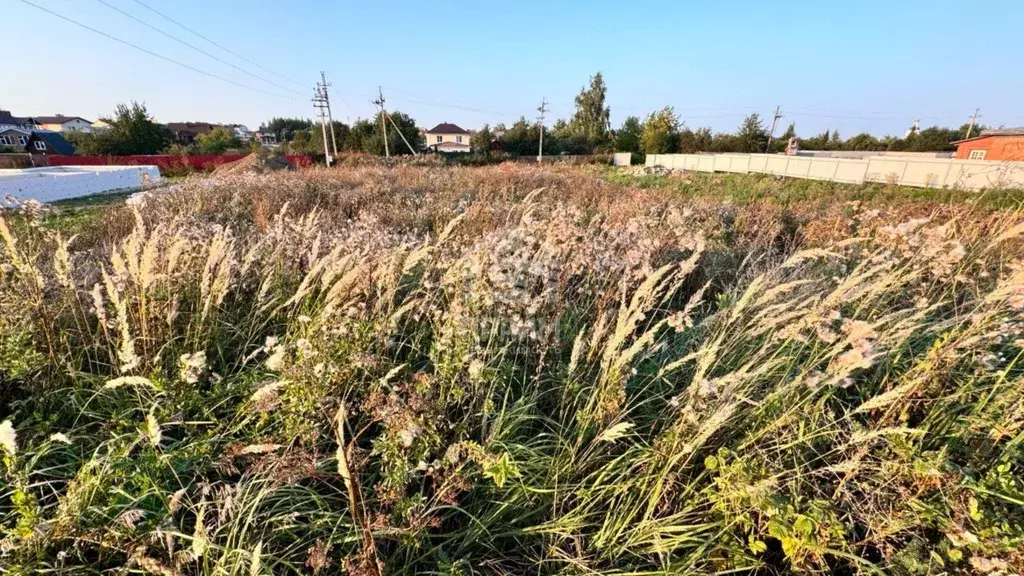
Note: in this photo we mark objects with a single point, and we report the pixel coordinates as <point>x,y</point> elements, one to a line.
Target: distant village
<point>46,134</point>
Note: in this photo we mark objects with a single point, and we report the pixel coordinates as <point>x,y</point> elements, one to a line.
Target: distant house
<point>14,138</point>
<point>186,132</point>
<point>241,131</point>
<point>61,123</point>
<point>268,139</point>
<point>100,125</point>
<point>9,121</point>
<point>1003,144</point>
<point>48,142</point>
<point>447,137</point>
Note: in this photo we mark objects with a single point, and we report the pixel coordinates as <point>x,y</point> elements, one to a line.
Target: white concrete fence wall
<point>906,171</point>
<point>62,182</point>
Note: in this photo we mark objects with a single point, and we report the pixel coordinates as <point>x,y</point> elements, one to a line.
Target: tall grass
<point>509,370</point>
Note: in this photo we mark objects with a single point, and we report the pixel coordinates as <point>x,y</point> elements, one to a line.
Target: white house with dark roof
<point>447,137</point>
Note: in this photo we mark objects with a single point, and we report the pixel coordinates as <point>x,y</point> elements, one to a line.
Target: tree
<point>752,135</point>
<point>132,131</point>
<point>372,141</point>
<point>286,128</point>
<point>88,144</point>
<point>522,138</point>
<point>661,132</point>
<point>863,142</point>
<point>481,140</point>
<point>591,119</point>
<point>628,137</point>
<point>216,141</point>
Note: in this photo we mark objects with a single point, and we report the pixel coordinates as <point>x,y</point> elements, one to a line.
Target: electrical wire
<point>151,53</point>
<point>235,54</point>
<point>196,48</point>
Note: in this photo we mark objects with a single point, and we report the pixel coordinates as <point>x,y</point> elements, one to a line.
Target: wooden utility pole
<point>543,109</point>
<point>775,121</point>
<point>383,124</point>
<point>974,119</point>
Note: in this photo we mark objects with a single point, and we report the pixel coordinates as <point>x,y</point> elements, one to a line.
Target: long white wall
<point>920,172</point>
<point>63,182</point>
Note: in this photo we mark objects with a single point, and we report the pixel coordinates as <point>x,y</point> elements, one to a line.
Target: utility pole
<point>383,125</point>
<point>771,134</point>
<point>321,103</point>
<point>327,100</point>
<point>542,109</point>
<point>973,120</point>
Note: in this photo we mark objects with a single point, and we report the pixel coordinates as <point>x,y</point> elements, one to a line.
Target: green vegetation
<point>513,370</point>
<point>132,131</point>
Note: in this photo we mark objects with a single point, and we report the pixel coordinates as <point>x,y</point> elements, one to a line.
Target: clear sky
<point>855,65</point>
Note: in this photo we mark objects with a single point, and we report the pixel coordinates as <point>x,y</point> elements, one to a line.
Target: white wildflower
<point>191,366</point>
<point>8,438</point>
<point>276,358</point>
<point>60,437</point>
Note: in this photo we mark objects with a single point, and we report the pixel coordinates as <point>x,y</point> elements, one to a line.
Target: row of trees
<point>302,136</point>
<point>133,131</point>
<point>663,132</point>
<point>587,131</point>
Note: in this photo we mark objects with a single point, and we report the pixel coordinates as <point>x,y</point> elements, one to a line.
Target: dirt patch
<point>254,163</point>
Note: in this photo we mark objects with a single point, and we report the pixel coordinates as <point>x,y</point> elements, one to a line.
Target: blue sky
<point>855,66</point>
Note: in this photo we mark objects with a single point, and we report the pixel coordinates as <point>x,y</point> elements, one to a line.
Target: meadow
<point>375,370</point>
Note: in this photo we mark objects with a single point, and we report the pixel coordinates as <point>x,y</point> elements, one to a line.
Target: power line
<point>196,48</point>
<point>150,52</point>
<point>235,54</point>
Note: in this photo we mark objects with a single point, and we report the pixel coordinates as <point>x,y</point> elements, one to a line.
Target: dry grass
<point>511,370</point>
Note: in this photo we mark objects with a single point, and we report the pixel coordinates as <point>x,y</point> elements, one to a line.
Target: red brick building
<point>996,145</point>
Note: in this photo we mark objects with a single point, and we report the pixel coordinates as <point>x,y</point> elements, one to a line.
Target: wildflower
<point>191,366</point>
<point>60,437</point>
<point>857,330</point>
<point>265,398</point>
<point>276,359</point>
<point>476,369</point>
<point>303,319</point>
<point>304,348</point>
<point>8,438</point>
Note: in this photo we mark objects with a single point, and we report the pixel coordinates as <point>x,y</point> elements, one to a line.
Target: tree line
<point>663,132</point>
<point>588,131</point>
<point>303,136</point>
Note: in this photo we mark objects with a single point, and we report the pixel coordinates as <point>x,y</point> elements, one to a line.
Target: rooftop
<point>446,128</point>
<point>990,133</point>
<point>58,119</point>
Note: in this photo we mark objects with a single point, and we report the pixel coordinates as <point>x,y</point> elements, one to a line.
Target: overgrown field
<point>509,370</point>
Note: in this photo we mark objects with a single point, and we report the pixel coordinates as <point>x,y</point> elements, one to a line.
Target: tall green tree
<point>372,138</point>
<point>217,141</point>
<point>591,119</point>
<point>285,128</point>
<point>627,139</point>
<point>661,132</point>
<point>131,131</point>
<point>752,135</point>
<point>522,138</point>
<point>480,141</point>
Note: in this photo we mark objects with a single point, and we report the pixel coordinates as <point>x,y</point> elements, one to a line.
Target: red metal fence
<point>166,162</point>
